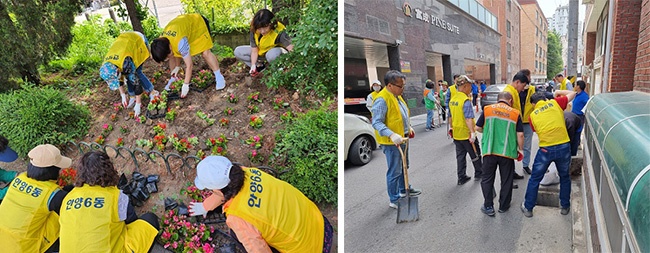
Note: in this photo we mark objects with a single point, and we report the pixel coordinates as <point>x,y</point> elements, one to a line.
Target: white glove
<point>124,103</point>
<point>196,209</point>
<point>169,83</point>
<point>472,138</point>
<point>137,110</point>
<point>175,71</point>
<point>131,102</point>
<point>253,69</point>
<point>185,89</point>
<point>396,139</point>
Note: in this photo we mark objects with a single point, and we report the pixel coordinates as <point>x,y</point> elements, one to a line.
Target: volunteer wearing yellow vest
<point>186,36</point>
<point>262,211</point>
<point>7,155</point>
<point>390,119</point>
<point>268,40</point>
<point>564,83</point>
<point>429,103</point>
<point>519,83</point>
<point>124,61</point>
<point>547,119</point>
<point>29,214</point>
<point>503,135</point>
<point>376,86</point>
<point>462,121</point>
<point>97,217</point>
<point>527,108</point>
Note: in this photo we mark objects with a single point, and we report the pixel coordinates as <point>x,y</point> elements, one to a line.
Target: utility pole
<point>572,45</point>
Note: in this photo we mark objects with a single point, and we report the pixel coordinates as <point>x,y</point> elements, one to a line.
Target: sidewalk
<point>167,10</point>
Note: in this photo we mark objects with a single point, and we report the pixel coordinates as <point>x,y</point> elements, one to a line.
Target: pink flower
<point>175,219</point>
<point>207,248</point>
<point>256,138</point>
<point>166,222</point>
<point>254,153</point>
<point>105,126</point>
<point>175,245</point>
<point>166,235</point>
<point>166,245</point>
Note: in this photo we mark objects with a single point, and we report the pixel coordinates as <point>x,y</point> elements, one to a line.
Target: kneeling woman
<point>96,216</point>
<point>268,40</point>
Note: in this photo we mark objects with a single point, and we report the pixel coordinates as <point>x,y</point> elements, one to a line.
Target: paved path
<point>167,10</point>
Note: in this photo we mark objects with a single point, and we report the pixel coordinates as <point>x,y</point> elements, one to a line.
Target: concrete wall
<point>233,39</point>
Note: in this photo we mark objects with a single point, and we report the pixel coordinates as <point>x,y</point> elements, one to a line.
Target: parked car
<point>359,139</point>
<point>491,94</point>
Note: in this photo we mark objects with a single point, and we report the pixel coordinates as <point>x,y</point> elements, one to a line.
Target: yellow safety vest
<point>90,222</point>
<point>516,103</point>
<point>287,220</point>
<point>528,107</point>
<point>461,131</point>
<point>452,90</point>
<point>26,224</point>
<point>563,84</point>
<point>128,44</point>
<point>191,26</point>
<point>394,120</point>
<point>548,121</point>
<point>267,42</point>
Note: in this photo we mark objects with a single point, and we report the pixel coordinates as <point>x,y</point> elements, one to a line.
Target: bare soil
<point>100,101</point>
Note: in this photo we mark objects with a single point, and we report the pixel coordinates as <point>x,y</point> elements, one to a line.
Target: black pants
<point>444,112</point>
<point>506,171</point>
<point>462,149</point>
<point>474,96</point>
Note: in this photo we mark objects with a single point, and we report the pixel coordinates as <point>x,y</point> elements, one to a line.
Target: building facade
<point>534,41</point>
<point>617,45</point>
<point>424,39</point>
<point>508,13</point>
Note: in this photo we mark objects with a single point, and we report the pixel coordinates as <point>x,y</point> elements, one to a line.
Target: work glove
<point>124,103</point>
<point>153,94</point>
<point>253,70</point>
<point>520,156</point>
<point>136,108</point>
<point>185,90</point>
<point>451,133</point>
<point>131,102</point>
<point>411,133</point>
<point>396,139</point>
<point>175,71</point>
<point>472,137</point>
<point>196,209</point>
<point>169,83</point>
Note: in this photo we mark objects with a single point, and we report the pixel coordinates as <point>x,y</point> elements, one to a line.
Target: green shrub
<point>89,46</point>
<point>33,116</point>
<point>151,28</point>
<point>224,16</point>
<point>114,29</point>
<point>308,149</point>
<point>222,51</point>
<point>312,66</point>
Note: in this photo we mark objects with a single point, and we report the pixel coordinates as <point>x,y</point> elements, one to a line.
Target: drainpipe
<point>608,47</point>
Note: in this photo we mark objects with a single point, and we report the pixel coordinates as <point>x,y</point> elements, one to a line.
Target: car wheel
<point>360,151</point>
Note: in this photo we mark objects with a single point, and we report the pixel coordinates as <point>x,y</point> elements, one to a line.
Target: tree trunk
<point>133,15</point>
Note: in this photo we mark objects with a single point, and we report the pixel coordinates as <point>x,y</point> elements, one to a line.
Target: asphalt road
<point>450,219</point>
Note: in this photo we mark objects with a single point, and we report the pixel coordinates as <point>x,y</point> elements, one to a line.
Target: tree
<point>553,55</point>
<point>33,32</point>
<point>224,15</point>
<point>131,7</point>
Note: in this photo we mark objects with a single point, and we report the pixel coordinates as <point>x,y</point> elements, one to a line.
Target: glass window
<point>494,23</point>
<point>455,2</point>
<point>508,2</point>
<point>508,28</point>
<point>464,4</point>
<point>508,48</point>
<point>481,14</point>
<point>473,8</point>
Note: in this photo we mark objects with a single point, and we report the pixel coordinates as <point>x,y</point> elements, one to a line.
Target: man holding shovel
<point>390,117</point>
<point>462,121</point>
<point>503,136</point>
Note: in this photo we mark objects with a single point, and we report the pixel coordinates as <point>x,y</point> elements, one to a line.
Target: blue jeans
<point>429,118</point>
<point>528,139</point>
<point>561,155</point>
<point>144,81</point>
<point>394,175</point>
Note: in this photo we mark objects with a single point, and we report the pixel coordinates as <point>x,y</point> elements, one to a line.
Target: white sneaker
<point>392,205</point>
<point>131,102</point>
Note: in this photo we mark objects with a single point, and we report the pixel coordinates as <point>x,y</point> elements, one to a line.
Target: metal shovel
<point>407,207</point>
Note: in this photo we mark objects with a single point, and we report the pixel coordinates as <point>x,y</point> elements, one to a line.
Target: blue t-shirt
<point>579,102</point>
<point>474,89</point>
<point>483,87</point>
